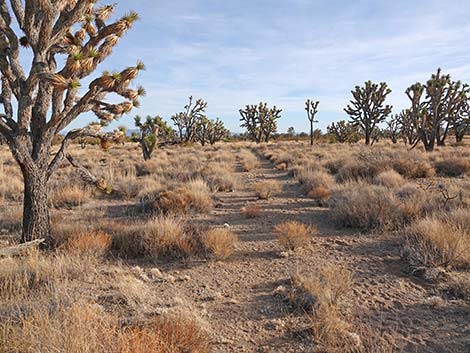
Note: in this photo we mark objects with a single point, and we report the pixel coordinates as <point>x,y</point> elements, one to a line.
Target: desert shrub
<point>220,242</point>
<point>164,236</point>
<point>252,211</point>
<point>198,194</point>
<point>293,235</point>
<point>127,239</point>
<point>86,327</point>
<point>458,286</point>
<point>413,168</point>
<point>366,207</point>
<point>320,194</point>
<point>220,177</point>
<point>248,160</point>
<point>389,179</point>
<point>329,286</point>
<point>452,167</point>
<point>266,189</point>
<point>70,196</point>
<point>11,218</point>
<point>438,241</point>
<point>94,243</point>
<point>194,195</point>
<point>11,187</point>
<point>314,179</point>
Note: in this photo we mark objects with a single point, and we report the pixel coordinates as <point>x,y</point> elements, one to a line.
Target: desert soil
<point>237,297</point>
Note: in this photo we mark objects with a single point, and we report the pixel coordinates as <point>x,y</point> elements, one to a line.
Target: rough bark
<point>36,222</point>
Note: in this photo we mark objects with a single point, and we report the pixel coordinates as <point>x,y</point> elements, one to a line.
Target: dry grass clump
<point>165,236</point>
<point>266,189</point>
<point>248,160</point>
<point>199,195</point>
<point>358,170</point>
<point>11,186</point>
<point>94,243</point>
<point>413,167</point>
<point>220,242</point>
<point>327,287</point>
<point>11,218</point>
<point>86,327</point>
<point>366,207</point>
<point>314,179</point>
<point>452,167</point>
<point>219,177</point>
<point>293,235</point>
<point>70,196</point>
<point>439,241</point>
<point>389,178</point>
<point>252,211</point>
<point>194,195</point>
<point>458,286</point>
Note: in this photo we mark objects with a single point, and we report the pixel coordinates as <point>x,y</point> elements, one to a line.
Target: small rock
<point>281,290</point>
<point>226,225</point>
<point>156,272</point>
<point>170,278</point>
<point>284,254</point>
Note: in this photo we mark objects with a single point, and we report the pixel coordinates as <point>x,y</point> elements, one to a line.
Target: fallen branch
<point>20,249</point>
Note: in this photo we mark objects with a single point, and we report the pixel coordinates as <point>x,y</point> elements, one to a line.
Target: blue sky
<point>233,53</point>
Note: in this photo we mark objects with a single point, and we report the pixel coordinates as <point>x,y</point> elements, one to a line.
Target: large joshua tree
<point>41,103</point>
<point>187,121</point>
<point>435,107</point>
<point>368,108</point>
<point>260,121</point>
<point>312,109</point>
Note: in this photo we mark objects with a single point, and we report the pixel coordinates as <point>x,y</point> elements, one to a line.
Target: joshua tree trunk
<point>36,224</point>
<point>367,136</point>
<point>311,133</point>
<point>145,150</point>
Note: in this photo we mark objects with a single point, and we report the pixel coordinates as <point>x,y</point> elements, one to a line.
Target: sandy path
<point>237,295</point>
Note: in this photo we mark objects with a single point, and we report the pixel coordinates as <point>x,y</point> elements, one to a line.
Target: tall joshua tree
<point>312,109</point>
<point>435,106</point>
<point>186,121</point>
<point>150,131</point>
<point>394,128</point>
<point>41,103</point>
<point>368,108</point>
<point>260,121</point>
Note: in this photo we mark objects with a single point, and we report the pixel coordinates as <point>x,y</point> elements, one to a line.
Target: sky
<point>234,53</point>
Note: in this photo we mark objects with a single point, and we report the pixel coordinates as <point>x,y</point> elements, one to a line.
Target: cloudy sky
<point>233,53</point>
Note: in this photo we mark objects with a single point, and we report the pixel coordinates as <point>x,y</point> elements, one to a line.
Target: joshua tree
<point>343,131</point>
<point>150,131</point>
<point>260,121</point>
<point>394,128</point>
<point>368,109</point>
<point>312,109</point>
<point>41,103</point>
<point>407,127</point>
<point>291,131</point>
<point>186,121</point>
<point>435,107</point>
<point>217,131</point>
<point>461,125</point>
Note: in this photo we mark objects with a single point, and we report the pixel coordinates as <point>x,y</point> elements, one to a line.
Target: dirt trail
<point>237,295</point>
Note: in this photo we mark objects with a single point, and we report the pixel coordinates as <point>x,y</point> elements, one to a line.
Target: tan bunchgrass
<point>94,243</point>
<point>292,235</point>
<point>266,189</point>
<point>164,236</point>
<point>220,242</point>
<point>70,196</point>
<point>438,241</point>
